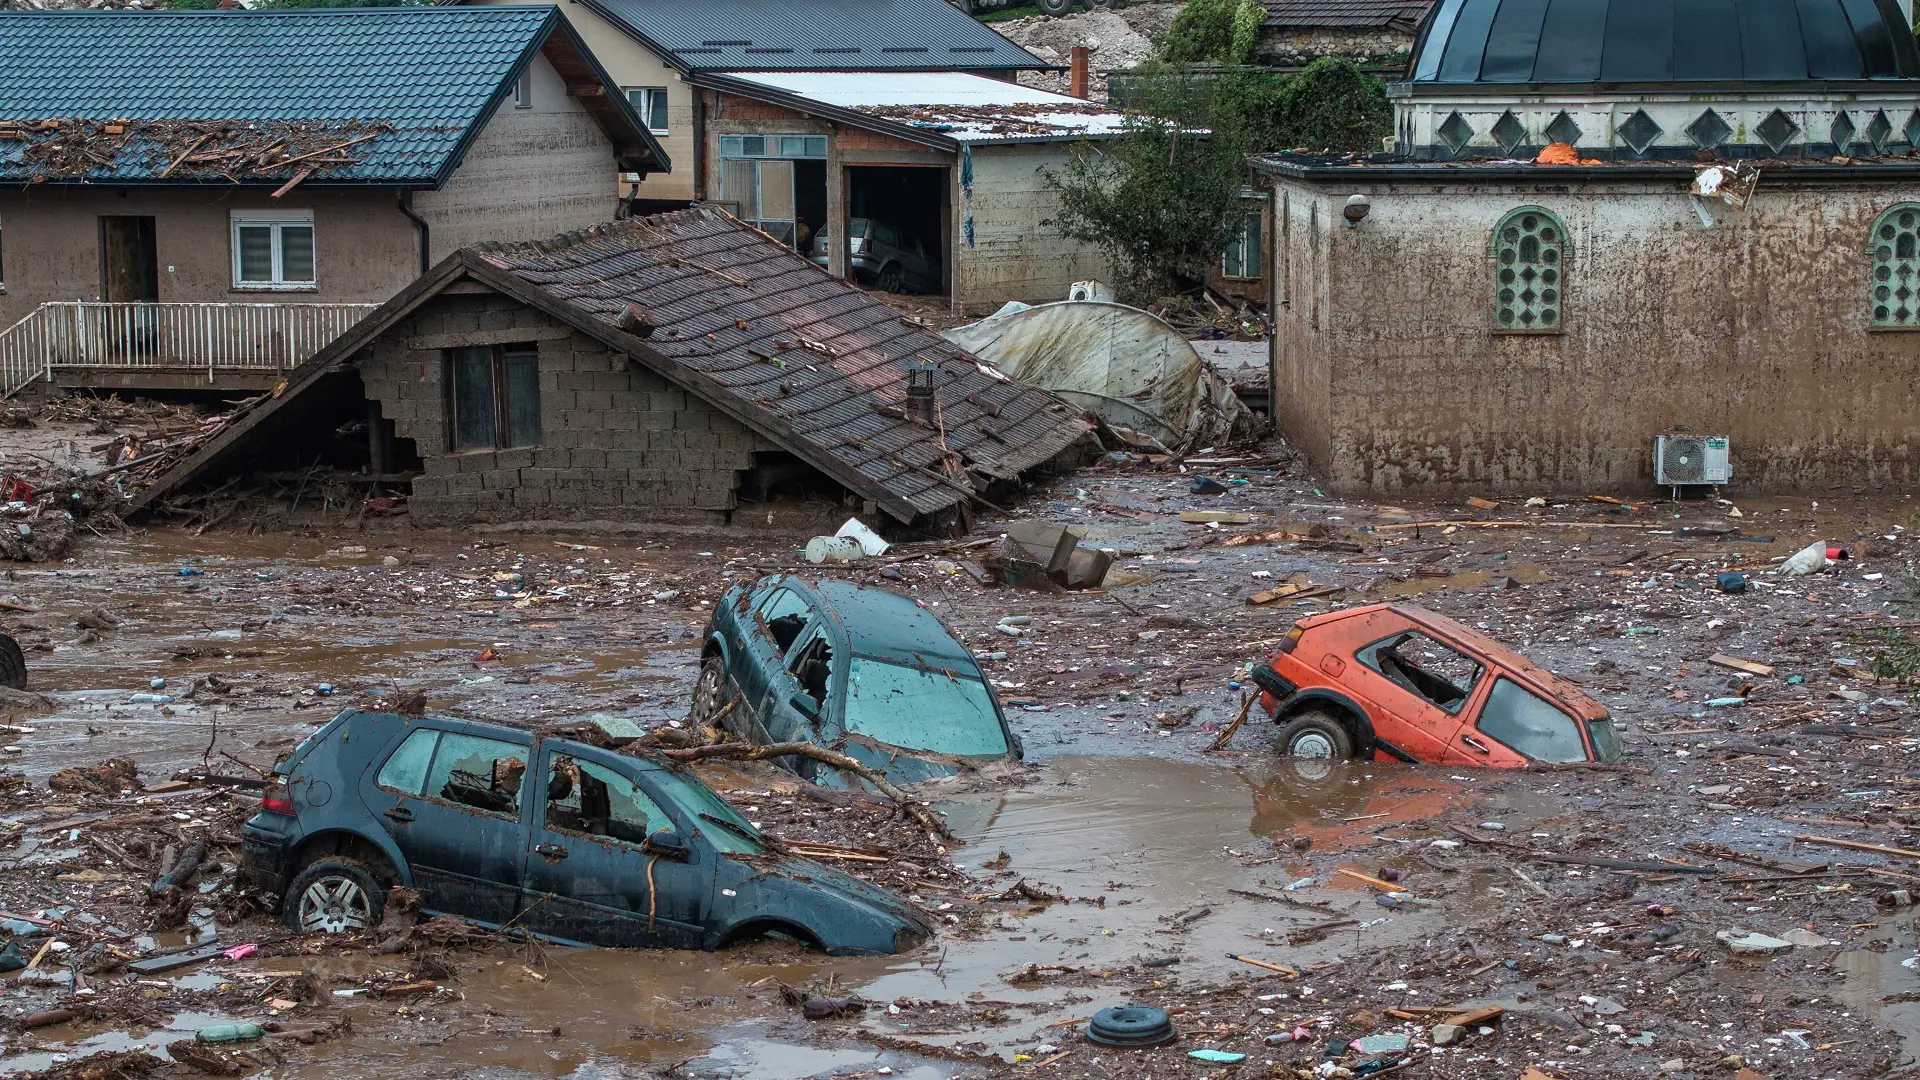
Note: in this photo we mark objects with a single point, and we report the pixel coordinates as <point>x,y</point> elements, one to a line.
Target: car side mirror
<point>807,706</point>
<point>668,844</point>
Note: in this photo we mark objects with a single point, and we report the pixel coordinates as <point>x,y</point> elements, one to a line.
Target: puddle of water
<point>1524,573</point>
<point>63,1042</point>
<point>1873,975</point>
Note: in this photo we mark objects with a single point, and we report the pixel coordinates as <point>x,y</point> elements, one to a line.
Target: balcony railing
<point>131,337</point>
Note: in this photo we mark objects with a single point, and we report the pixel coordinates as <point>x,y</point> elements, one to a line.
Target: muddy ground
<point>1168,860</point>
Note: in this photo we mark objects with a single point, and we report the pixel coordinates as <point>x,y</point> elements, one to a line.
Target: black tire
<point>1055,8</point>
<point>1315,734</point>
<point>711,693</point>
<point>13,664</point>
<point>344,896</point>
<point>891,279</point>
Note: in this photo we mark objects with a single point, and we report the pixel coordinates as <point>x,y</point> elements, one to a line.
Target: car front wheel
<point>892,279</point>
<point>333,896</point>
<point>709,691</point>
<point>1316,735</point>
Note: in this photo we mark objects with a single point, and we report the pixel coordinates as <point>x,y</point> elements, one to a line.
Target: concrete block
<point>601,400</point>
<point>464,484</point>
<point>667,401</point>
<point>532,495</point>
<point>656,421</point>
<point>693,420</point>
<point>576,380</point>
<point>429,486</point>
<point>539,475</point>
<point>518,458</point>
<point>622,420</point>
<point>626,458</point>
<point>616,381</point>
<point>500,479</point>
<point>587,457</point>
<point>475,461</point>
<point>644,381</point>
<point>561,496</point>
<point>557,400</point>
<point>564,438</point>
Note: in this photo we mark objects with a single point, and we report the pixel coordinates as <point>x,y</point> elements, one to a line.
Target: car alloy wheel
<point>335,904</point>
<point>709,691</point>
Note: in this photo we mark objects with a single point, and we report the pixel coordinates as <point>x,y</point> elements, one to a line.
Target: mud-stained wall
<point>1304,44</point>
<point>1390,377</point>
<point>616,441</point>
<point>530,174</point>
<point>1009,246</point>
<point>364,250</point>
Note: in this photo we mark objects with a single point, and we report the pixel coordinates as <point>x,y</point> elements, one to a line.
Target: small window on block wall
<point>1529,252</point>
<point>495,392</point>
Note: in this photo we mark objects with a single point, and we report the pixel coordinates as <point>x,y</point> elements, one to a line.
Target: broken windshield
<point>722,824</point>
<point>922,708</point>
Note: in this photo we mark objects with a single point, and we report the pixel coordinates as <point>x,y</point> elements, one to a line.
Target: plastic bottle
<point>226,1033</point>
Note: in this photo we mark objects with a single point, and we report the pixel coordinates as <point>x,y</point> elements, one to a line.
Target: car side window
<point>811,664</point>
<point>406,770</point>
<point>1426,667</point>
<point>1530,724</point>
<point>480,774</point>
<point>785,614</point>
<point>882,234</point>
<point>593,800</point>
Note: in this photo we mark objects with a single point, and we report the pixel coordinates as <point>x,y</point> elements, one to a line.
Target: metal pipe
<point>404,200</point>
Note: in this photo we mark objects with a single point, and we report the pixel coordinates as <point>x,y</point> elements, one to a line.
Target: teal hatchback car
<point>866,672</point>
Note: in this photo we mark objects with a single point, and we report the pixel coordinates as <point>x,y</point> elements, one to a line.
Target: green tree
<point>1332,106</point>
<point>1157,199</point>
<point>1215,32</point>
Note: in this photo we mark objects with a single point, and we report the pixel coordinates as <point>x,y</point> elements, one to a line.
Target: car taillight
<point>276,799</point>
<point>1293,638</point>
<point>859,245</point>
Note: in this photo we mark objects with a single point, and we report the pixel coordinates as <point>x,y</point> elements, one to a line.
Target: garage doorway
<point>912,203</point>
<point>778,184</point>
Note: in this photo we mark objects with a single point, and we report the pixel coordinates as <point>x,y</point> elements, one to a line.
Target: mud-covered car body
<point>863,671</point>
<point>1398,682</point>
<point>562,839</point>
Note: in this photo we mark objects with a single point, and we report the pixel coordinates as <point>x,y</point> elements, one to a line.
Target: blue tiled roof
<point>817,35</point>
<point>428,72</point>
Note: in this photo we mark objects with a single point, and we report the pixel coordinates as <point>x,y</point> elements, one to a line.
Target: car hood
<point>824,878</point>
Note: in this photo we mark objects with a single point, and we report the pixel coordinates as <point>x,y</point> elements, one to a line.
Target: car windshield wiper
<point>731,826</point>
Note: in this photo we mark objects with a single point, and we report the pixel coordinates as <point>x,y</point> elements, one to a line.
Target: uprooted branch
<point>743,752</point>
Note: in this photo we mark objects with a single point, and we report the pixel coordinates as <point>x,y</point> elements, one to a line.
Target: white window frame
<point>645,108</point>
<point>523,90</point>
<point>1252,227</point>
<point>277,220</point>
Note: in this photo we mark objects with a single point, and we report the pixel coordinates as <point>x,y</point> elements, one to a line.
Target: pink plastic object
<point>241,952</point>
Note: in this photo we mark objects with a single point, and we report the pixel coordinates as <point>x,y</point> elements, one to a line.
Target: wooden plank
<point>1224,517</point>
<point>1750,667</point>
<point>1855,845</point>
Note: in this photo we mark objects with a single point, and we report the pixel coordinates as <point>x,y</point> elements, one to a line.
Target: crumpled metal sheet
<point>1127,366</point>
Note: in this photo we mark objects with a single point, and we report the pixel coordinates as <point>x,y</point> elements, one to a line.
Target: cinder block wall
<point>616,440</point>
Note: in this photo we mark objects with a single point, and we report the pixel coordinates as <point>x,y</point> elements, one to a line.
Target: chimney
<point>1077,85</point>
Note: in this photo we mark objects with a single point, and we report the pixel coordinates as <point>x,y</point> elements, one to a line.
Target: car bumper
<point>1274,687</point>
<point>268,846</point>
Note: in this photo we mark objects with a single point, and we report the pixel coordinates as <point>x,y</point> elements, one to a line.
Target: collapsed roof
<point>758,332</point>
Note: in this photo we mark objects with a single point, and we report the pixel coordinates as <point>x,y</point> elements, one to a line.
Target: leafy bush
<point>1215,32</point>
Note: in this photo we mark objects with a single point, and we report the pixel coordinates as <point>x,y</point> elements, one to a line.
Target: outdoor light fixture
<point>1356,210</point>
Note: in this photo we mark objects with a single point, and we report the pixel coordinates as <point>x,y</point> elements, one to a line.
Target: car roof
<point>1566,692</point>
<point>885,625</point>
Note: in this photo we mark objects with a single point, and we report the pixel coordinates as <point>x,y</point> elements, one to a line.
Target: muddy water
<point>1152,837</point>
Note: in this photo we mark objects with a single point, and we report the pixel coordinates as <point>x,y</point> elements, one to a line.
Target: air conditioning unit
<point>1686,460</point>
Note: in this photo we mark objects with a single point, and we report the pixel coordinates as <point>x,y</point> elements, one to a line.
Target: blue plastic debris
<point>324,688</point>
<point>1380,1044</point>
<point>1733,581</point>
<point>191,571</point>
<point>1218,1057</point>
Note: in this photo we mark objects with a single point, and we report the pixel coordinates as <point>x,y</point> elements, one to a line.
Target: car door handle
<point>550,851</point>
<point>1475,743</point>
<point>398,813</point>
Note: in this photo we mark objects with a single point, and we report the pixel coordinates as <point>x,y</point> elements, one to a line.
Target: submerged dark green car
<point>863,671</point>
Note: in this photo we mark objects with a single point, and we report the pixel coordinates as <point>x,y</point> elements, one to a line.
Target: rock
<point>1752,944</point>
<point>1804,938</point>
<point>1446,1034</point>
<point>1607,1006</point>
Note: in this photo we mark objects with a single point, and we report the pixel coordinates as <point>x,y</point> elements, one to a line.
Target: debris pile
<point>74,148</point>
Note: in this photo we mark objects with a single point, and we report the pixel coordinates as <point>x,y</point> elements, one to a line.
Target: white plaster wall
<point>531,173</point>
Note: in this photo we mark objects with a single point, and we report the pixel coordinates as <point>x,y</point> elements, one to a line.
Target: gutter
<point>403,199</point>
<point>787,99</point>
<point>1775,174</point>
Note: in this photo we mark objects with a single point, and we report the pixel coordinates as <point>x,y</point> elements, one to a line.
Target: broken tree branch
<point>743,752</point>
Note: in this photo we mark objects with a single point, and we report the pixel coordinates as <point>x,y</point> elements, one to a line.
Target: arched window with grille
<point>1530,252</point>
<point>1896,267</point>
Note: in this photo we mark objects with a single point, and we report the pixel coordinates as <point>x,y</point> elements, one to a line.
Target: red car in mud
<point>1393,682</point>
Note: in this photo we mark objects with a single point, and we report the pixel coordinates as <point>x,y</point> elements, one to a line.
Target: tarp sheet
<point>1127,366</point>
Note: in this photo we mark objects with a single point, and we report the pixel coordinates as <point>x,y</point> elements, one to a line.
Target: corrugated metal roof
<point>965,108</point>
<point>430,73</point>
<point>1347,14</point>
<point>759,332</point>
<point>819,35</point>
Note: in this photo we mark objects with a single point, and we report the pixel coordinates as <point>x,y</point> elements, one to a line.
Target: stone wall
<point>616,440</point>
<point>1390,377</point>
<point>1298,45</point>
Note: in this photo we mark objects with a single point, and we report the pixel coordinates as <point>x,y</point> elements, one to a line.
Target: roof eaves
<point>622,107</point>
<point>787,99</point>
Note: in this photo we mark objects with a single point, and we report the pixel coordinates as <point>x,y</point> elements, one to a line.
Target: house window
<point>496,396</point>
<point>651,103</point>
<point>1896,267</point>
<point>273,249</point>
<point>1242,259</point>
<point>770,177</point>
<point>523,91</point>
<point>1529,271</point>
